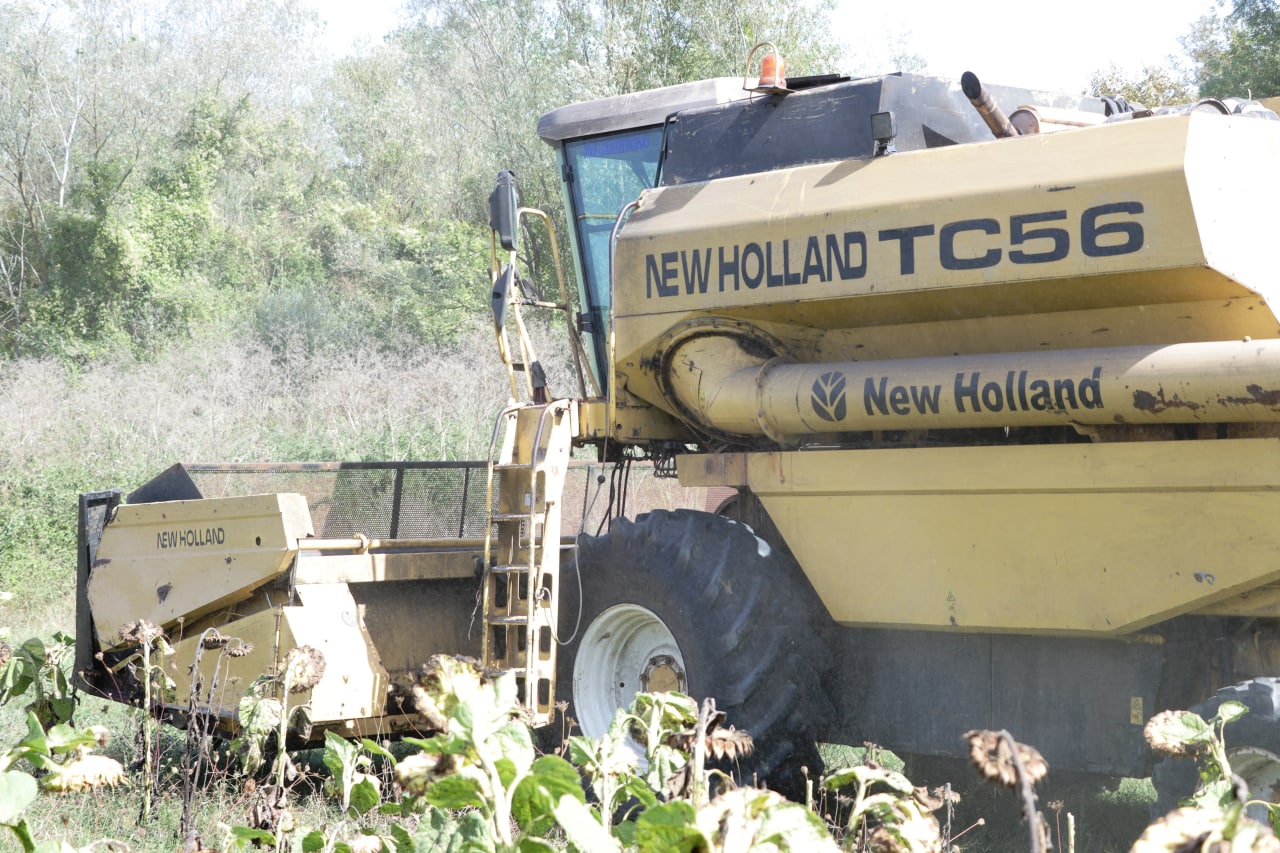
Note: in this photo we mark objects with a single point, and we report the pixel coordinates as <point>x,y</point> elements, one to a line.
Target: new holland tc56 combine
<point>992,396</point>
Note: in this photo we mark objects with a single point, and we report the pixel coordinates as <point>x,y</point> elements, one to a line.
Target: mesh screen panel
<point>434,500</point>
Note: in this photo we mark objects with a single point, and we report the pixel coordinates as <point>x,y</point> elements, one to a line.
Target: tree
<point>96,175</point>
<point>1153,87</point>
<point>1238,56</point>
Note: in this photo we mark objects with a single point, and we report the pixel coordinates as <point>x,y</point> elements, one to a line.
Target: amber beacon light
<point>773,71</point>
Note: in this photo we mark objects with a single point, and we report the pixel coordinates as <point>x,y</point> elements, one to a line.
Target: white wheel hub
<point>1260,770</point>
<point>626,650</point>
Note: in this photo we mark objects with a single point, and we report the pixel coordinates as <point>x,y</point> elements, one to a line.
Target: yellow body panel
<point>355,683</point>
<point>1100,539</point>
<point>327,618</point>
<point>162,561</point>
<point>1112,236</point>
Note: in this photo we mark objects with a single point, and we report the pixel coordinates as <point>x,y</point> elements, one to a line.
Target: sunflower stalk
<point>1026,791</point>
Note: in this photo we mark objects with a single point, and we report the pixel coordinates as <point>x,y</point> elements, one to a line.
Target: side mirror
<point>501,292</point>
<point>502,211</point>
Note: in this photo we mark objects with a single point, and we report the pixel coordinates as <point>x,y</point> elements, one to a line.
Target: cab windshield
<point>605,174</point>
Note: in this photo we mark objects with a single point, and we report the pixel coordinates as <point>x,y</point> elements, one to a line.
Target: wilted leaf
<point>62,738</point>
<point>534,798</point>
<point>270,811</point>
<point>933,799</point>
<point>457,791</point>
<point>365,843</point>
<point>374,748</point>
<point>418,771</point>
<point>440,832</point>
<point>664,764</point>
<point>259,716</point>
<point>313,842</point>
<point>755,819</point>
<point>442,683</point>
<point>907,828</point>
<point>582,826</point>
<point>1231,710</point>
<point>246,833</point>
<point>17,791</point>
<point>868,775</point>
<point>366,793</point>
<point>792,826</point>
<point>669,827</point>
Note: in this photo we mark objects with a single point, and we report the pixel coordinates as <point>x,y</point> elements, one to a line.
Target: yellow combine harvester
<point>988,381</point>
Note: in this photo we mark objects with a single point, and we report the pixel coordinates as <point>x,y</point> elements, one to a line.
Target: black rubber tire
<point>1176,778</point>
<point>749,626</point>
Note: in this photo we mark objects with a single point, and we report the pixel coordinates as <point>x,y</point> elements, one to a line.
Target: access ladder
<point>522,549</point>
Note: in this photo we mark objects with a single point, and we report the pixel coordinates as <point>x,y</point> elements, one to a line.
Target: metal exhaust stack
<point>986,106</point>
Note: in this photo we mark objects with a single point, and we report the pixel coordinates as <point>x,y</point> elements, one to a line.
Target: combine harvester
<point>990,380</point>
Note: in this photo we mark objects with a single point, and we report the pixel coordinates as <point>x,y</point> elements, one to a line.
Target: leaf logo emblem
<point>828,396</point>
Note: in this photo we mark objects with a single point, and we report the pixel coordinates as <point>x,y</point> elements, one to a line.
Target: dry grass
<point>228,399</point>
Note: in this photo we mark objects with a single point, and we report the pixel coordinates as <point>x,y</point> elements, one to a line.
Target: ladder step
<point>513,466</point>
<point>510,569</point>
<point>495,673</point>
<point>508,620</point>
<point>512,516</point>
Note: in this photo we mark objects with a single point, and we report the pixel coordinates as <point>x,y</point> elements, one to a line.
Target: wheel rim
<point>625,650</point>
<point>1260,770</point>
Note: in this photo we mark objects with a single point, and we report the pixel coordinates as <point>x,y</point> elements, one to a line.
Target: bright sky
<point>1045,45</point>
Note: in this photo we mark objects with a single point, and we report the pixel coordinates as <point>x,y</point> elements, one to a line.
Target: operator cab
<point>608,151</point>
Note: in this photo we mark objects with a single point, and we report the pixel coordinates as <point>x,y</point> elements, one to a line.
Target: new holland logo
<point>828,396</point>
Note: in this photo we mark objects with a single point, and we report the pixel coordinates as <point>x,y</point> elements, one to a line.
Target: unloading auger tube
<point>725,381</point>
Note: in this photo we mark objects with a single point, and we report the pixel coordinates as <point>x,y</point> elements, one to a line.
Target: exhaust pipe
<point>986,106</point>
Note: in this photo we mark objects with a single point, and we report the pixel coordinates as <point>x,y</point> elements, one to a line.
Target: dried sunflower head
<point>442,682</point>
<point>270,811</point>
<point>140,632</point>
<point>729,743</point>
<point>1176,732</point>
<point>85,773</point>
<point>213,639</point>
<point>303,668</point>
<point>1188,829</point>
<point>932,799</point>
<point>6,652</point>
<point>240,649</point>
<point>991,752</point>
